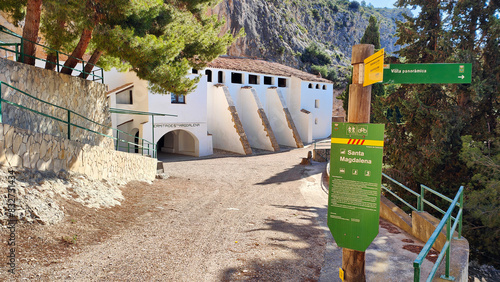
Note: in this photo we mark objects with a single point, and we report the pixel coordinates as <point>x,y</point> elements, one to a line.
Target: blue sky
<point>386,4</point>
<point>381,3</point>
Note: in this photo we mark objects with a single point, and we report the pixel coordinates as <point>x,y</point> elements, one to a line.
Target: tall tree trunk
<point>51,62</point>
<point>91,63</point>
<point>78,52</point>
<point>30,30</point>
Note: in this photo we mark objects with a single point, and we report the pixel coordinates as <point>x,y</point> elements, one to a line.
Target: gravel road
<point>214,219</point>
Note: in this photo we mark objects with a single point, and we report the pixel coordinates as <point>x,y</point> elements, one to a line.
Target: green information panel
<point>427,73</point>
<point>355,178</point>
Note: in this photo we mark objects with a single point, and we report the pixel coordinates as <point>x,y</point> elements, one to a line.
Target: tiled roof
<point>264,67</point>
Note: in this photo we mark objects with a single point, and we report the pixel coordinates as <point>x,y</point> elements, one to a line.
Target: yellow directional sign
<point>374,68</point>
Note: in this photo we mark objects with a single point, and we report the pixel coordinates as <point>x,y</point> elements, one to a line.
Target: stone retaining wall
<point>79,95</point>
<point>24,149</point>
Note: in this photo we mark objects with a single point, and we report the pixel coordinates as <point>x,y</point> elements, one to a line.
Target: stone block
<point>2,154</point>
<point>34,157</point>
<point>9,136</point>
<point>43,148</point>
<point>62,154</point>
<point>26,160</point>
<point>40,165</point>
<point>57,165</point>
<point>22,149</point>
<point>14,77</point>
<point>48,154</point>
<point>17,141</point>
<point>13,159</point>
<point>34,148</point>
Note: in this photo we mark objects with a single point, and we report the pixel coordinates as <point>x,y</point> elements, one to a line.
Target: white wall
<point>248,106</point>
<point>323,114</point>
<point>128,123</point>
<point>191,116</point>
<point>260,88</point>
<point>221,124</point>
<point>277,118</point>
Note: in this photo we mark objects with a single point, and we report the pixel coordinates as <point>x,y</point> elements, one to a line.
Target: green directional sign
<point>427,73</point>
<point>355,178</point>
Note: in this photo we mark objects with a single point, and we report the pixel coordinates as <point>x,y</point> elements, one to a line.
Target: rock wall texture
<point>84,97</point>
<point>20,148</point>
<point>281,30</point>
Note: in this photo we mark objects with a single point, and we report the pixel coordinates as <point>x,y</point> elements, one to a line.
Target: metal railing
<point>16,47</point>
<point>69,123</point>
<point>457,202</point>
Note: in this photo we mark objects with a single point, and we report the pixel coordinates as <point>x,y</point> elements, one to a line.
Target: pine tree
<point>448,134</point>
<point>372,36</point>
<point>372,33</point>
<point>159,40</point>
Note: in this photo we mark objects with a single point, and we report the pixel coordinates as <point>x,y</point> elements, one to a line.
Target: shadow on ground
<point>303,241</point>
<point>292,174</point>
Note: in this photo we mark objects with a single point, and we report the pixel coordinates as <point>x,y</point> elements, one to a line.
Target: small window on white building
<point>208,73</point>
<point>316,121</point>
<point>324,87</point>
<point>268,80</point>
<point>281,82</point>
<point>317,86</point>
<point>124,97</point>
<point>177,99</point>
<point>220,77</point>
<point>253,79</point>
<point>236,78</point>
<point>310,85</point>
<point>195,71</point>
<point>316,103</point>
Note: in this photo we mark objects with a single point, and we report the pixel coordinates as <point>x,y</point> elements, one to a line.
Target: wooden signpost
<point>356,155</point>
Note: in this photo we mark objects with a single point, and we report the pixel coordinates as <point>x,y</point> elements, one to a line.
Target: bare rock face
<point>281,30</point>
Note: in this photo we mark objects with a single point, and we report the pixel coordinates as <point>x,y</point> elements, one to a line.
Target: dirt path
<point>219,219</point>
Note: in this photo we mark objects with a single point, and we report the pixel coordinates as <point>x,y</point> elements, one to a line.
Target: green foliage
<point>372,36</point>
<point>441,138</point>
<point>303,29</point>
<point>372,33</point>
<point>327,72</point>
<point>354,6</point>
<point>15,8</point>
<point>483,193</point>
<point>313,54</point>
<point>344,96</point>
<point>159,40</point>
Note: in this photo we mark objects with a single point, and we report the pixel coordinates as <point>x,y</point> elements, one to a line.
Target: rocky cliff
<point>280,30</point>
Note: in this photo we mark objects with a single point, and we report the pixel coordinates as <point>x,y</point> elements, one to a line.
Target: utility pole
<point>353,262</point>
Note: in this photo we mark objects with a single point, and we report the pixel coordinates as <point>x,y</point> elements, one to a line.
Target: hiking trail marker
<point>427,73</point>
<point>374,68</point>
<point>355,178</point>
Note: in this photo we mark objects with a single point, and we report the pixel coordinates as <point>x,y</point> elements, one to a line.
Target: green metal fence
<point>145,147</point>
<point>457,202</point>
<point>15,45</point>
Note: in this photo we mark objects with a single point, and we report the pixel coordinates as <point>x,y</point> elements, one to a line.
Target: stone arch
<point>180,142</point>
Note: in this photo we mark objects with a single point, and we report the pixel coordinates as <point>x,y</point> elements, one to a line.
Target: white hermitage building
<point>239,104</point>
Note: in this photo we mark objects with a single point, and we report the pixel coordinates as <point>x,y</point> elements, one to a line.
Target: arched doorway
<point>179,142</point>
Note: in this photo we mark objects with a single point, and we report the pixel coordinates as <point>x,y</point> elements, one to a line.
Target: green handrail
<point>386,188</point>
<point>70,124</point>
<point>20,55</point>
<point>458,201</point>
<point>446,250</point>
